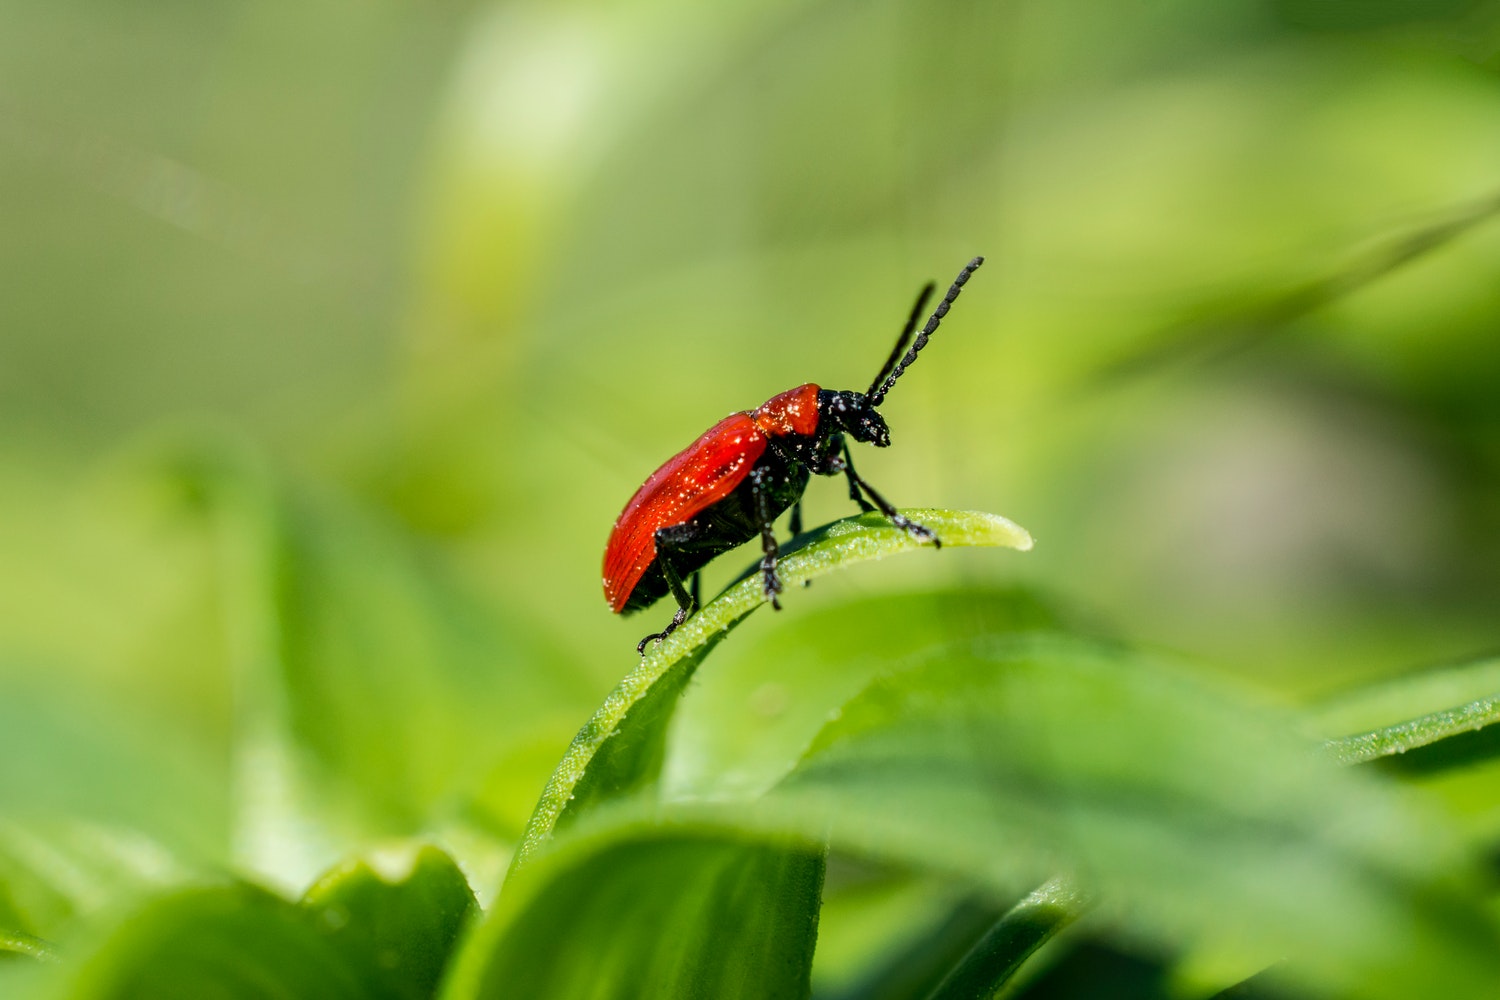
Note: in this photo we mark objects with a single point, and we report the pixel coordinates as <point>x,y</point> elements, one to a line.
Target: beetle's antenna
<point>878,396</point>
<point>905,338</point>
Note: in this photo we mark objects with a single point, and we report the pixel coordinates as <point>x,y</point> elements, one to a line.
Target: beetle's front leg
<point>845,463</point>
<point>920,532</point>
<point>759,487</point>
<point>832,459</point>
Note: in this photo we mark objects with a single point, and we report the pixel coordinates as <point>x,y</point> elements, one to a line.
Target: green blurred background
<point>333,336</point>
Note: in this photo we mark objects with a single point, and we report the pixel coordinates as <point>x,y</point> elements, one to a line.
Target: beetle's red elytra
<point>743,472</point>
<point>695,479</point>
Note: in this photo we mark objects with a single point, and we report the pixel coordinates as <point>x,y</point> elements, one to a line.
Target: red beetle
<point>735,480</point>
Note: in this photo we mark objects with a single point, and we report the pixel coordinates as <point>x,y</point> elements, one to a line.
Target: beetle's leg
<point>920,532</point>
<point>855,482</point>
<point>770,552</point>
<point>695,588</point>
<point>686,603</point>
<point>795,527</point>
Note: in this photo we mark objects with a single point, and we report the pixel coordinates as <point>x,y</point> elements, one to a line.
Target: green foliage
<point>997,957</point>
<point>1194,813</point>
<point>332,336</point>
<point>236,941</point>
<point>1175,813</point>
<point>620,750</point>
<point>1455,702</point>
<point>360,931</point>
<point>713,914</point>
<point>990,750</point>
<point>401,925</point>
<point>14,944</point>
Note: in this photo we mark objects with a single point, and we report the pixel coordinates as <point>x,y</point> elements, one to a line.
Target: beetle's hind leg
<point>794,525</point>
<point>685,606</point>
<point>687,602</point>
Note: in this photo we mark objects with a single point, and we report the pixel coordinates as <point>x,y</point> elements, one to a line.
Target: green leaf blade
<point>226,942</point>
<point>619,750</point>
<point>745,723</point>
<point>1411,712</point>
<point>1193,816</point>
<point>1420,733</point>
<point>396,918</point>
<point>651,912</point>
<point>1014,938</point>
<point>15,944</point>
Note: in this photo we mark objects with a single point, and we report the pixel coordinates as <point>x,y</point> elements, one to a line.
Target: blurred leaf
<point>1395,700</point>
<point>1450,736</point>
<point>1236,326</point>
<point>10,916</point>
<point>1269,984</point>
<point>1434,728</point>
<point>398,921</point>
<point>1025,927</point>
<point>1093,968</point>
<point>1459,733</point>
<point>231,942</point>
<point>402,683</point>
<point>652,913</point>
<point>14,944</point>
<point>978,945</point>
<point>64,754</point>
<point>1321,15</point>
<point>375,691</point>
<point>898,941</point>
<point>1189,814</point>
<point>621,748</point>
<point>745,723</point>
<point>214,204</point>
<point>59,872</point>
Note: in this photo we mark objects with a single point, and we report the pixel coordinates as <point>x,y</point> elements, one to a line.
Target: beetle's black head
<point>852,413</point>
